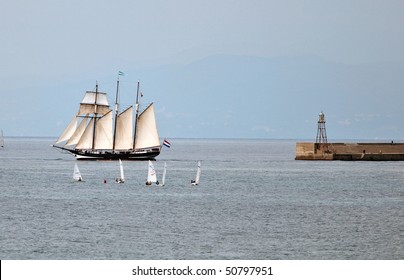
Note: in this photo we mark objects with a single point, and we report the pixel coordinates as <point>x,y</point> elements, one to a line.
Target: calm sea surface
<point>254,202</point>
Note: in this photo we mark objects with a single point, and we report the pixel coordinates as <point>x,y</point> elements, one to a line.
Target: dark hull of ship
<point>149,154</point>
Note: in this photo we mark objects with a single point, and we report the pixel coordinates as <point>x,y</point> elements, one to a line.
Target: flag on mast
<point>121,73</point>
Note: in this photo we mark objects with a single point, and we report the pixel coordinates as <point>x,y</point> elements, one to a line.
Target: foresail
<point>74,139</point>
<point>68,132</point>
<point>103,132</point>
<point>146,129</point>
<point>124,130</point>
<point>86,140</point>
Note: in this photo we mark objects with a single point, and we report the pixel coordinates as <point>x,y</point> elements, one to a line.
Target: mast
<point>95,112</point>
<point>1,140</point>
<point>116,113</point>
<point>137,114</point>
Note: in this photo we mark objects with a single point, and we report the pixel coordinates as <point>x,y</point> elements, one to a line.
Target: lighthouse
<point>321,132</point>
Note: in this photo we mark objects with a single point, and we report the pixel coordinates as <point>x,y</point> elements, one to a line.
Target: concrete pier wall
<point>350,151</point>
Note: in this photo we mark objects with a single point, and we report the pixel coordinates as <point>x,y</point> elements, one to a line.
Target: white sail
<point>74,139</point>
<point>163,180</point>
<point>86,140</point>
<point>120,179</point>
<point>68,132</point>
<point>124,130</point>
<point>121,169</point>
<point>103,132</point>
<point>94,102</point>
<point>1,140</point>
<point>76,173</point>
<point>151,174</point>
<point>198,174</point>
<point>146,129</point>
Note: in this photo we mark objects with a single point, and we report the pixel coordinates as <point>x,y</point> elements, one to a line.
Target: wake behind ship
<point>98,132</point>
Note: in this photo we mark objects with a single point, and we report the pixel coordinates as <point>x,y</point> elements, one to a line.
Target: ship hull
<point>149,154</point>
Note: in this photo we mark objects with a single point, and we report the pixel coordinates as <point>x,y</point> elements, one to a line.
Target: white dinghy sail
<point>163,180</point>
<point>151,175</point>
<point>120,179</point>
<point>164,174</point>
<point>198,175</point>
<point>1,140</point>
<point>76,174</point>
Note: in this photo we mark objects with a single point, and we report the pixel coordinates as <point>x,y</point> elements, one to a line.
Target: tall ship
<point>98,132</point>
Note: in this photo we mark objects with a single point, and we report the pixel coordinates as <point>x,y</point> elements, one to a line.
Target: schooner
<point>98,132</point>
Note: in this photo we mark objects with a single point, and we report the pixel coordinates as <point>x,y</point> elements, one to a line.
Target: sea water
<point>254,201</point>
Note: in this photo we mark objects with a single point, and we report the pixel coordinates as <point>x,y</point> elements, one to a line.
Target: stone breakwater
<point>350,151</point>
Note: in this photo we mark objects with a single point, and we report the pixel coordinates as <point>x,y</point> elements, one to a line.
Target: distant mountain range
<point>252,97</point>
<point>226,96</point>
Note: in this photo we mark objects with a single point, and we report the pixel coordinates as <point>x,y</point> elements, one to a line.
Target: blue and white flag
<point>121,73</point>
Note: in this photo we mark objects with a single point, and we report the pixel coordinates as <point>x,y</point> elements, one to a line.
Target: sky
<point>63,47</point>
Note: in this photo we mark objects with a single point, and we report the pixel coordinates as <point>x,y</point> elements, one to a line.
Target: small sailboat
<point>76,174</point>
<point>121,179</point>
<point>151,175</point>
<point>198,175</point>
<point>1,140</point>
<point>163,180</point>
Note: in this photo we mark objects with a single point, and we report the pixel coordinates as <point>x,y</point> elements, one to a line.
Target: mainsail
<point>76,173</point>
<point>146,130</point>
<point>103,132</point>
<point>98,132</point>
<point>124,131</point>
<point>120,179</point>
<point>1,140</point>
<point>163,181</point>
<point>121,170</point>
<point>151,174</point>
<point>198,175</point>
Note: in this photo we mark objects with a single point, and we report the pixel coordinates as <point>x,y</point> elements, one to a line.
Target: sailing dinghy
<point>121,179</point>
<point>1,140</point>
<point>98,132</point>
<point>76,174</point>
<point>151,175</point>
<point>198,175</point>
<point>163,180</point>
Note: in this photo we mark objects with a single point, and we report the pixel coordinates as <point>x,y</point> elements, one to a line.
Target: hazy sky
<point>53,38</point>
<point>62,42</point>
